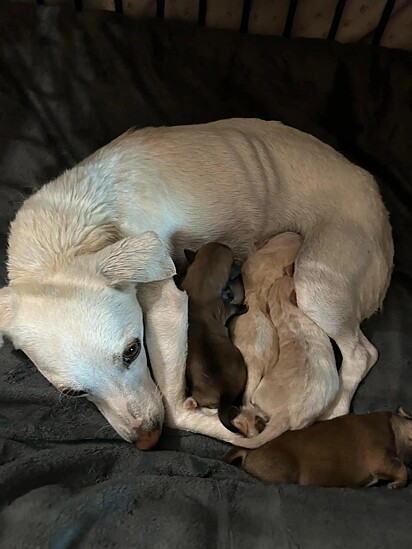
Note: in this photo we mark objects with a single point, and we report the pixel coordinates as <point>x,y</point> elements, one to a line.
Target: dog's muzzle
<point>147,439</point>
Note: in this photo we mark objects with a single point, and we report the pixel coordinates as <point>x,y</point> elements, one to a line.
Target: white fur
<point>235,181</point>
<point>292,377</point>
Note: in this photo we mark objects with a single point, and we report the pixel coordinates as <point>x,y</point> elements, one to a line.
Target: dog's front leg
<point>165,310</point>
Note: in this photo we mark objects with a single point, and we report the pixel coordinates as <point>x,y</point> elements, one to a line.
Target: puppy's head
<point>213,279</point>
<point>209,271</point>
<point>83,328</point>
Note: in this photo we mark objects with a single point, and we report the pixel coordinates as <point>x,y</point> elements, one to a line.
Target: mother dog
<point>78,247</point>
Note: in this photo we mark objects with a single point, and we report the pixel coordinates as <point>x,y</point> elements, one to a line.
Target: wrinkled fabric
<point>69,83</point>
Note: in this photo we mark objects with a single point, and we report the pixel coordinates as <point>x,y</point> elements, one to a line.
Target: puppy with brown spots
<point>350,450</point>
<point>215,372</point>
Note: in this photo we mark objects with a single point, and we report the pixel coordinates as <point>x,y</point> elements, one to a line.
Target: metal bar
<point>118,6</point>
<point>340,6</point>
<point>380,29</point>
<point>78,4</point>
<point>160,10</point>
<point>287,31</point>
<point>201,20</point>
<point>244,24</point>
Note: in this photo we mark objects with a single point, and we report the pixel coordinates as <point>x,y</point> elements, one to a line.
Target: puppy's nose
<point>147,439</point>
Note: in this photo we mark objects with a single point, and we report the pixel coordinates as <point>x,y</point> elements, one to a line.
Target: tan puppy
<point>215,371</point>
<point>292,376</point>
<point>351,450</point>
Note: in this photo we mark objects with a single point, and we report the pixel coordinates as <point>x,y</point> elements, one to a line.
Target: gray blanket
<point>68,84</point>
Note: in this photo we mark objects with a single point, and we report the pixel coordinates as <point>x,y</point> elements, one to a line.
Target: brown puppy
<point>215,372</point>
<point>350,450</point>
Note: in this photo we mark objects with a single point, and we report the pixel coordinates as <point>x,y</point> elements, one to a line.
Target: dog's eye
<point>73,392</point>
<point>131,352</point>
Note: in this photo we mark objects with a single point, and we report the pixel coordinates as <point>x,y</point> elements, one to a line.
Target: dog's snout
<point>135,424</point>
<point>146,439</point>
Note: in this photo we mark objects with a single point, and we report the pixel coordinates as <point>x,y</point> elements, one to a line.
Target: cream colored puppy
<point>296,383</point>
<point>78,247</point>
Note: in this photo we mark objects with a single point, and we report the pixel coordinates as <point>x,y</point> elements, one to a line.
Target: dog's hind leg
<point>340,280</point>
<point>391,469</point>
<point>359,355</point>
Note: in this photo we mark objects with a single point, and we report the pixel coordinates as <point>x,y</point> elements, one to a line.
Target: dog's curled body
<point>75,255</point>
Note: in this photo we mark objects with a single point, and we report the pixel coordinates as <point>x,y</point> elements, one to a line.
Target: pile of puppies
<point>269,373</point>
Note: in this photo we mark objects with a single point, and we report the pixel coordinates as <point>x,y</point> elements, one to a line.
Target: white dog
<point>78,247</point>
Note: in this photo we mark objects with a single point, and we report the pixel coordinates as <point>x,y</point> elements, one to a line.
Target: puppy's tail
<point>273,429</point>
<point>227,412</point>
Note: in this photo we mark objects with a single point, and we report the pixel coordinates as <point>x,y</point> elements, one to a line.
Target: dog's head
<point>82,326</point>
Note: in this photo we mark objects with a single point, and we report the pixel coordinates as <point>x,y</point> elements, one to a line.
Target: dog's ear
<point>190,256</point>
<point>6,311</point>
<point>133,260</point>
<point>293,298</point>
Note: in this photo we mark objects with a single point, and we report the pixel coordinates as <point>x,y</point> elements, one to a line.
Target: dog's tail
<point>273,429</point>
<point>234,455</point>
<point>227,411</point>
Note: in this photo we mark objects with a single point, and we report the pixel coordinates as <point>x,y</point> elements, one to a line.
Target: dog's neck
<point>71,216</point>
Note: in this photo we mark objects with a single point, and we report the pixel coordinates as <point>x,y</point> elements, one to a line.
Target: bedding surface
<point>69,83</point>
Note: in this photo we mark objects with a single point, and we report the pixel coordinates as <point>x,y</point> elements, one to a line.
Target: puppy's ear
<point>133,260</point>
<point>235,271</point>
<point>190,256</point>
<point>6,311</point>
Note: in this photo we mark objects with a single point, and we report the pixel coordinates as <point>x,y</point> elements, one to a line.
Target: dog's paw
<point>190,404</point>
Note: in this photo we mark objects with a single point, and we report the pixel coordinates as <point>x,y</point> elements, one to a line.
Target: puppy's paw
<point>396,484</point>
<point>242,309</point>
<point>190,404</point>
<point>260,424</point>
<point>251,421</point>
<point>242,424</point>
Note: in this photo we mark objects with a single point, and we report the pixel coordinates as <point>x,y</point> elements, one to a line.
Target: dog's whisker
<point>102,429</point>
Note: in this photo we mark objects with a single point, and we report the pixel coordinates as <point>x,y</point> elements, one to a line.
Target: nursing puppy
<point>292,377</point>
<point>215,371</point>
<point>351,450</point>
<point>81,245</point>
